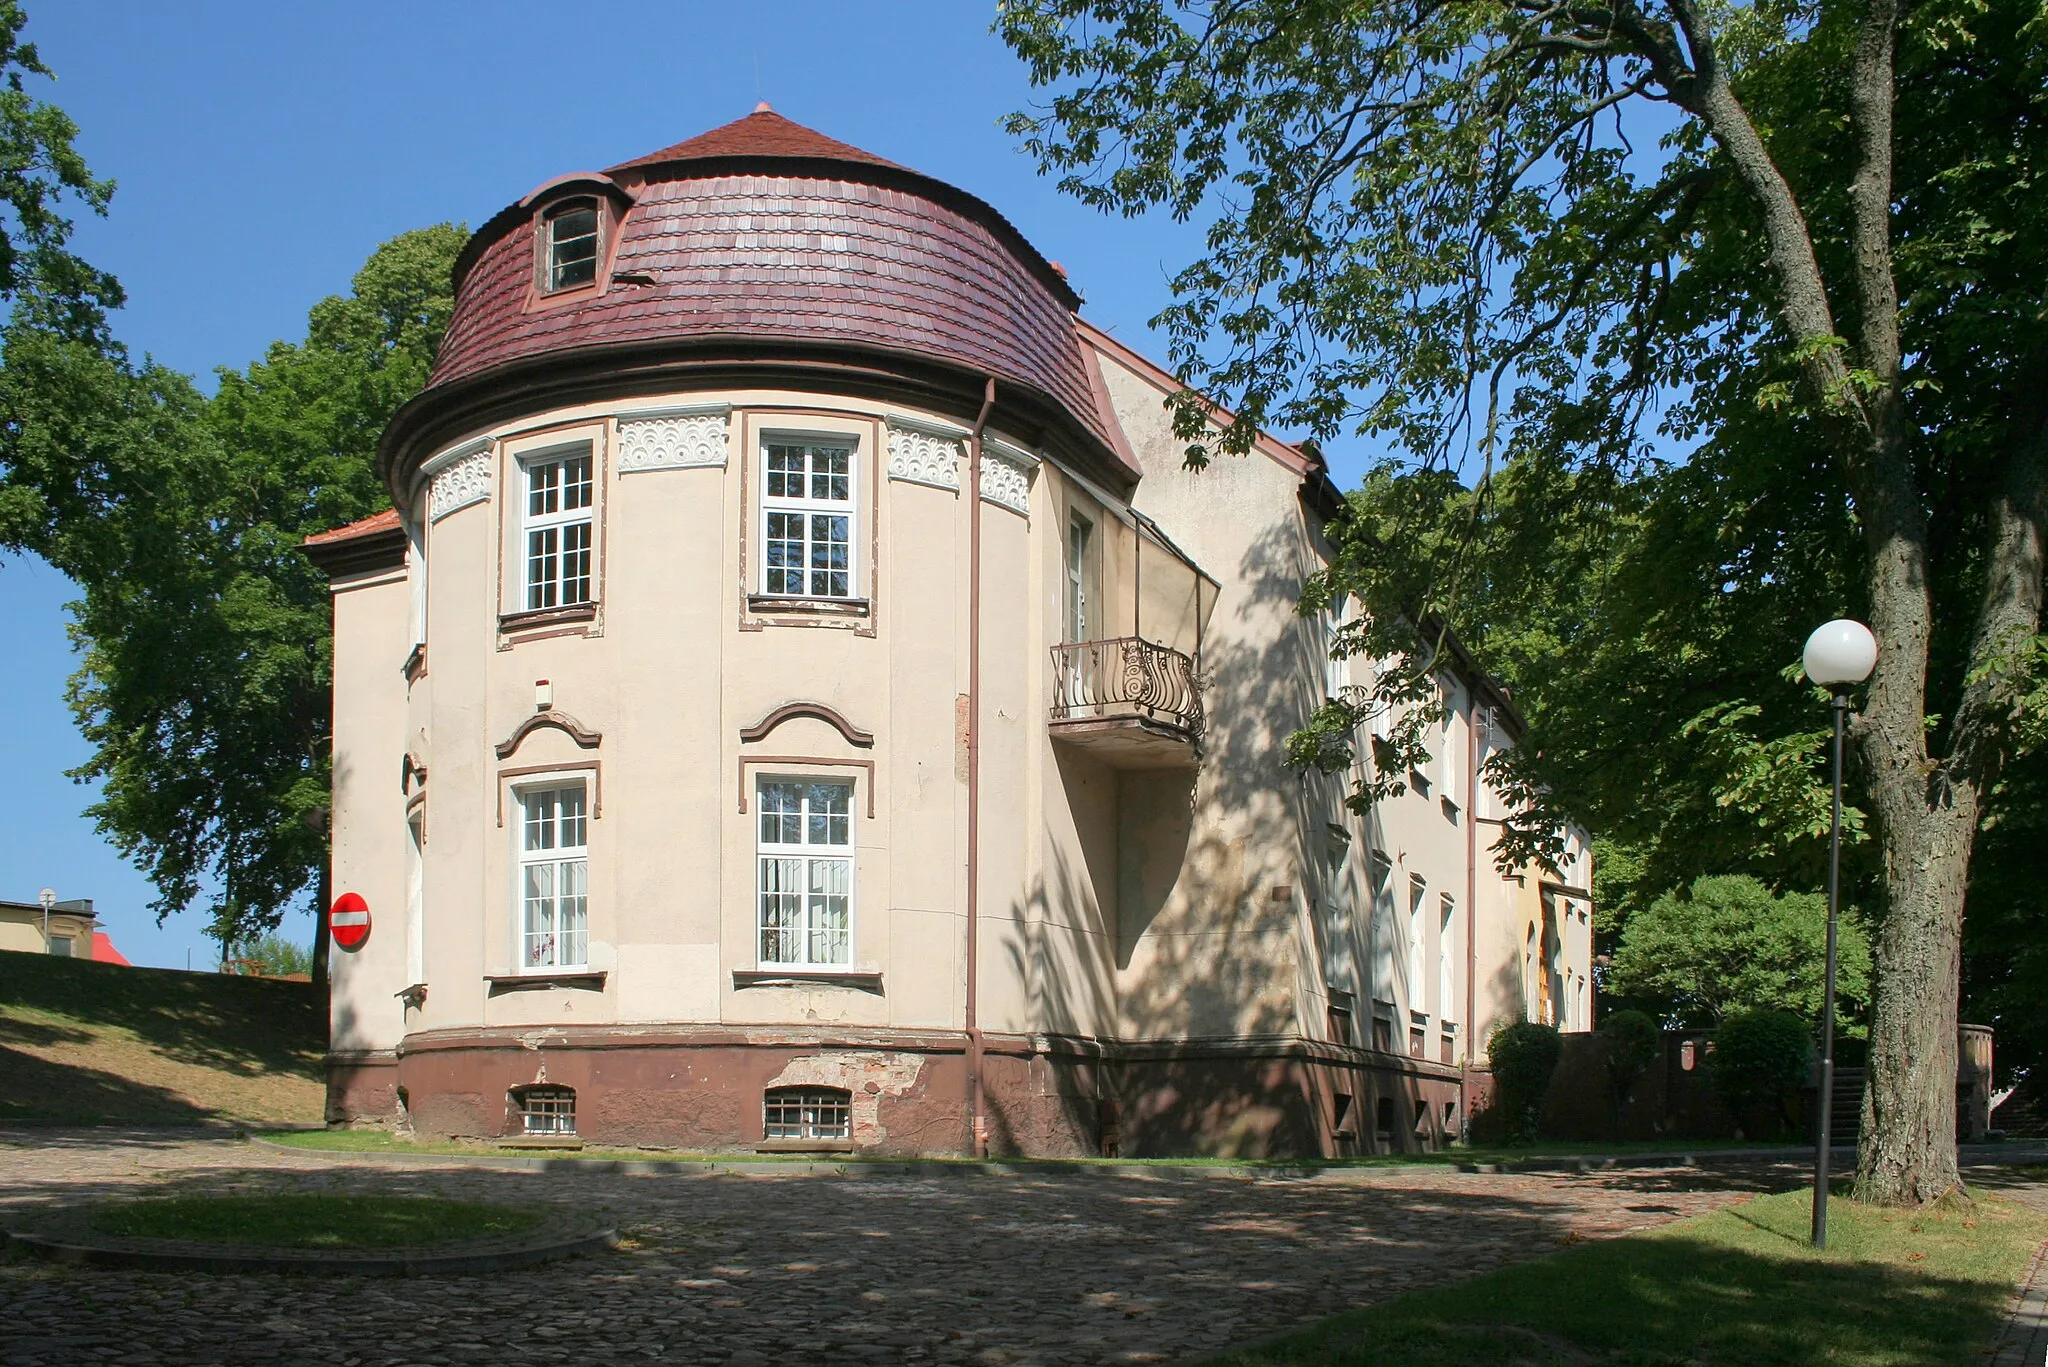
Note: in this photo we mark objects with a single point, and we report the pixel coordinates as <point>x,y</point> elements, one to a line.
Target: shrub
<point>1523,1056</point>
<point>277,955</point>
<point>1729,944</point>
<point>1760,1059</point>
<point>1634,1044</point>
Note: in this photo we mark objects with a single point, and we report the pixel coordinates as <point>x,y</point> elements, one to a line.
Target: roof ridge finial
<point>762,108</point>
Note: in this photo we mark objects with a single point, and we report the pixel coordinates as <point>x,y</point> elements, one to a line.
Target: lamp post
<point>1838,656</point>
<point>48,897</point>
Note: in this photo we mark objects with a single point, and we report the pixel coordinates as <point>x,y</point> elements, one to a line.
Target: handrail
<point>1126,676</point>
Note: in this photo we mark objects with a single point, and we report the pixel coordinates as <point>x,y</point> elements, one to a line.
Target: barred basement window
<point>807,1113</point>
<point>547,1110</point>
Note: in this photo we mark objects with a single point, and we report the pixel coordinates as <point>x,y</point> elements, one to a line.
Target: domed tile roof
<point>763,133</point>
<point>765,232</point>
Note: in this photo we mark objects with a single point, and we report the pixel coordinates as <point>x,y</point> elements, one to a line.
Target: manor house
<point>800,701</point>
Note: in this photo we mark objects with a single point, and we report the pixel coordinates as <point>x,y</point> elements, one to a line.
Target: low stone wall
<point>1674,1099</point>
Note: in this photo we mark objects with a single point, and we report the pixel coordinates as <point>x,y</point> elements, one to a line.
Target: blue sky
<point>264,150</point>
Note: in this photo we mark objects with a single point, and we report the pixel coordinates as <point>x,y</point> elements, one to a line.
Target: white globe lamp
<point>1838,656</point>
<point>1840,653</point>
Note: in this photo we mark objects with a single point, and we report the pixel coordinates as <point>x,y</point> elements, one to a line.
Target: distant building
<point>723,762</point>
<point>71,928</point>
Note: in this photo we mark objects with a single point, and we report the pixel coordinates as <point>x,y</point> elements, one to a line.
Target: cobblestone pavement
<point>1060,1268</point>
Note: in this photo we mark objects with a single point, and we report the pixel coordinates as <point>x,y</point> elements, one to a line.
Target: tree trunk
<point>1907,1153</point>
<point>320,908</point>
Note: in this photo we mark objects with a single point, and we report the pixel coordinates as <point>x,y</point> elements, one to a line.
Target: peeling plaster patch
<point>867,1077</point>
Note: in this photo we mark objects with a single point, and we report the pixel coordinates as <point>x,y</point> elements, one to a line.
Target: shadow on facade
<point>1229,900</point>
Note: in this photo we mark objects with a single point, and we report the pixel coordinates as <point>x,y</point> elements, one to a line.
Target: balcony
<point>1127,702</point>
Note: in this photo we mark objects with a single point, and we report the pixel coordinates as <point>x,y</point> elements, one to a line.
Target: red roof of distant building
<point>369,526</point>
<point>763,133</point>
<point>103,951</point>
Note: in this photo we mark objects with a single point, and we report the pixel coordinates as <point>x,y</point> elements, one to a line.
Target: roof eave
<point>383,549</point>
<point>458,409</point>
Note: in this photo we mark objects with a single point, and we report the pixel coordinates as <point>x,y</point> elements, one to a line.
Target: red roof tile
<point>848,251</point>
<point>763,133</point>
<point>369,526</point>
<point>764,232</point>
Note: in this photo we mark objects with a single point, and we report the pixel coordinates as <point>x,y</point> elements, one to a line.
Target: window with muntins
<point>415,899</point>
<point>1446,933</point>
<point>807,505</point>
<point>1336,668</point>
<point>806,873</point>
<point>571,244</point>
<point>546,1110</point>
<point>1381,940</point>
<point>1450,772</point>
<point>554,876</point>
<point>559,494</point>
<point>1418,924</point>
<point>1080,544</point>
<point>807,1113</point>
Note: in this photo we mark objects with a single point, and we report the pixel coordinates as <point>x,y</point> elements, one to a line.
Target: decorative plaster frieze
<point>1006,481</point>
<point>464,479</point>
<point>1006,474</point>
<point>673,440</point>
<point>924,457</point>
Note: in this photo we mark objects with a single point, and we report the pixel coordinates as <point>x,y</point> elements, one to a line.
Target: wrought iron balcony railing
<point>1126,677</point>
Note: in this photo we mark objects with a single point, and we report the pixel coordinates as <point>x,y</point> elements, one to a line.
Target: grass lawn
<point>92,1043</point>
<point>1738,1288</point>
<point>310,1221</point>
<point>384,1141</point>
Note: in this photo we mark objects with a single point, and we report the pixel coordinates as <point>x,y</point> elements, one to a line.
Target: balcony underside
<point>1127,742</point>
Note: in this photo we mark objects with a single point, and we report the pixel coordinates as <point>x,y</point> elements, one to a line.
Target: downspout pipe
<point>977,1110</point>
<point>1474,751</point>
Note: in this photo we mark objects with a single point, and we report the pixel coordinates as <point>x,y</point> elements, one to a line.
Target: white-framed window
<point>804,883</point>
<point>1380,724</point>
<point>560,493</point>
<point>807,1113</point>
<point>570,230</point>
<point>1380,948</point>
<point>1446,936</point>
<point>1450,766</point>
<point>416,580</point>
<point>554,877</point>
<point>1418,927</point>
<point>808,505</point>
<point>1080,548</point>
<point>1336,670</point>
<point>1532,1006</point>
<point>415,898</point>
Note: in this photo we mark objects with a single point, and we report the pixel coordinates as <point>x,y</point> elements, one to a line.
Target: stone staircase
<point>1845,1119</point>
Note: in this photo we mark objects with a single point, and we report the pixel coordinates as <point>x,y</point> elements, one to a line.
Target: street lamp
<point>1838,656</point>
<point>48,897</point>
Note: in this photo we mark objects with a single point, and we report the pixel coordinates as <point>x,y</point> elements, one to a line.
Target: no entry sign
<point>349,922</point>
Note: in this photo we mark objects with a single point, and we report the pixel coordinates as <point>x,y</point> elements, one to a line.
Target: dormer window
<point>571,236</point>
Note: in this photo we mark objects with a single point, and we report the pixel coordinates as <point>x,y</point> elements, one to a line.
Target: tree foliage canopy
<point>1798,241</point>
<point>41,172</point>
<point>205,630</point>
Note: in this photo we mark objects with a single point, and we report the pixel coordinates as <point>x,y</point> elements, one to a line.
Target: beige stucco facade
<point>1175,945</point>
<point>70,929</point>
